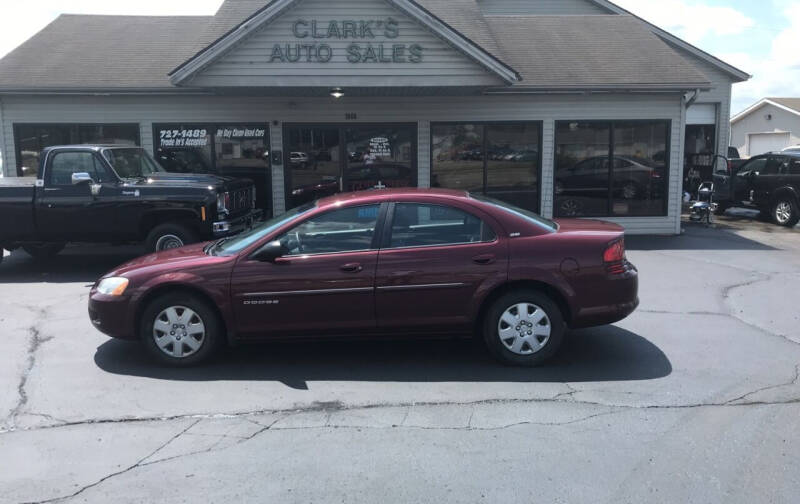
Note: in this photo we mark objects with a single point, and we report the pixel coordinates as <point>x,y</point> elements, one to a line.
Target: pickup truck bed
<point>16,200</point>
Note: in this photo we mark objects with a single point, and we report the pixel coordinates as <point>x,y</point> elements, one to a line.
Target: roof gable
<point>791,105</point>
<point>316,43</point>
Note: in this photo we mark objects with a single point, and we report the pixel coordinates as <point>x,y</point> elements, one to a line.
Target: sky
<point>761,37</point>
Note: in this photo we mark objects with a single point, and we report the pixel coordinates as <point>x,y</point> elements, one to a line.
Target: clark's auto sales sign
<point>370,41</point>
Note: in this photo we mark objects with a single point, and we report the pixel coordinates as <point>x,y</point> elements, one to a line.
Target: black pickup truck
<point>118,194</point>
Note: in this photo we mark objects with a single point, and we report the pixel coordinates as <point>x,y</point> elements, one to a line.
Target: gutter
<point>103,91</point>
<point>690,101</point>
<point>607,88</point>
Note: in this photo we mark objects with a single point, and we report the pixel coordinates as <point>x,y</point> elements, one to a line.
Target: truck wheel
<point>785,213</point>
<point>169,236</point>
<point>180,329</point>
<point>43,250</point>
<point>524,328</point>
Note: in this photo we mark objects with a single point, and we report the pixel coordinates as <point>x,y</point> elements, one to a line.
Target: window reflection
<point>313,163</point>
<point>589,183</point>
<point>379,157</point>
<point>458,157</point>
<point>31,139</point>
<point>512,173</point>
<point>500,160</point>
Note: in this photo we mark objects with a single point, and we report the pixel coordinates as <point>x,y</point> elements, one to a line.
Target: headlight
<point>222,202</point>
<point>114,286</point>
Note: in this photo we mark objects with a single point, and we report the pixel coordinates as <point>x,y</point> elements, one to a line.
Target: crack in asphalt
<point>35,341</point>
<point>117,473</point>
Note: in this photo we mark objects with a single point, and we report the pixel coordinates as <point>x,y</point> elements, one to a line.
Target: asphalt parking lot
<point>694,398</point>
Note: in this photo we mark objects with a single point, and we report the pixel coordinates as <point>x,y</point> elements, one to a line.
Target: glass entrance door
<point>322,160</point>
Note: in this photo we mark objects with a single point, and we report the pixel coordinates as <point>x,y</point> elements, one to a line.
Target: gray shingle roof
<point>137,52</point>
<point>792,103</point>
<point>79,51</point>
<point>584,51</point>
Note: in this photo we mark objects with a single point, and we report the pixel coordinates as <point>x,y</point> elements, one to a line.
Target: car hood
<point>587,226</point>
<point>168,260</point>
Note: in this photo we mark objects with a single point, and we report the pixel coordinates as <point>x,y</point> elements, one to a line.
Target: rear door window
<point>426,225</point>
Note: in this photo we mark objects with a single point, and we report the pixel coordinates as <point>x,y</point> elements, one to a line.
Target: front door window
<point>326,160</point>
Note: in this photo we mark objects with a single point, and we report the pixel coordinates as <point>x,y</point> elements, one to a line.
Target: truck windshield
<point>132,163</point>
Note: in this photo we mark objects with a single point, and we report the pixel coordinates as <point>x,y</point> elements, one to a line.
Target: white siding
<point>249,63</point>
<point>540,7</point>
<point>422,110</point>
<point>719,95</point>
<point>757,122</point>
<point>278,189</point>
<point>5,141</point>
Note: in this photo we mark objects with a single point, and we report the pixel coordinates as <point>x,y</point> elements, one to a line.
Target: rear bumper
<point>622,299</point>
<point>236,225</point>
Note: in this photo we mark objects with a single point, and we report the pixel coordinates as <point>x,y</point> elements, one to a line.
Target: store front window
<point>30,139</point>
<point>328,159</point>
<point>233,150</point>
<point>499,160</point>
<point>607,168</point>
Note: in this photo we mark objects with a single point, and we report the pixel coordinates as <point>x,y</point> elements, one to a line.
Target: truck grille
<point>241,200</point>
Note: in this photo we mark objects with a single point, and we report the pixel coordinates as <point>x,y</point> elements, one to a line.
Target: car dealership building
<point>565,107</point>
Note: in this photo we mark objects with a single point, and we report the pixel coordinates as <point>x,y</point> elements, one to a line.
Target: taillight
<point>614,257</point>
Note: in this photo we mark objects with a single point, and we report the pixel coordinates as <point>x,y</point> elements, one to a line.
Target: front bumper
<point>236,225</point>
<point>112,315</point>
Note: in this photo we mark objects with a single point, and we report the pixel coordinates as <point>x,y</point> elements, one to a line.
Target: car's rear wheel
<point>180,329</point>
<point>169,236</point>
<point>524,328</point>
<point>785,212</point>
<point>43,250</point>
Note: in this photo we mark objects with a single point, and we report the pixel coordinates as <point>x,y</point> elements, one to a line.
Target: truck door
<point>766,179</point>
<point>70,212</point>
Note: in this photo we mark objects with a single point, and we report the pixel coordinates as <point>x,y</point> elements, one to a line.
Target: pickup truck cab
<point>118,194</point>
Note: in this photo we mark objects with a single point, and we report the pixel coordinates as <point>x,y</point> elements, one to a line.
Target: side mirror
<point>81,178</point>
<point>270,252</point>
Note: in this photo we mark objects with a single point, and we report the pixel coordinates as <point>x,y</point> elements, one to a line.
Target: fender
<point>787,189</point>
<point>217,293</point>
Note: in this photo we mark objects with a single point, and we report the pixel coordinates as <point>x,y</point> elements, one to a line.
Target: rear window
<point>531,217</point>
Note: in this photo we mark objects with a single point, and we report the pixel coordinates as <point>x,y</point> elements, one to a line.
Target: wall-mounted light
<point>337,92</point>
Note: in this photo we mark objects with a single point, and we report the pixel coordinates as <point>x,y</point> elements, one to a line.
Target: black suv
<point>770,182</point>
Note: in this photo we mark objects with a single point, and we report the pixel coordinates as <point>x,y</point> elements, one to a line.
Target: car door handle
<point>352,268</point>
<point>484,259</point>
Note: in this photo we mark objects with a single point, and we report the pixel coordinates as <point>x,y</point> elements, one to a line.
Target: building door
<point>762,143</point>
<point>322,160</point>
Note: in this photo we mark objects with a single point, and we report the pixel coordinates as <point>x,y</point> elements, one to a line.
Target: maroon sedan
<point>377,264</point>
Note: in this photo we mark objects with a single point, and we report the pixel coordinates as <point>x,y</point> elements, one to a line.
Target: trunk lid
<point>588,226</point>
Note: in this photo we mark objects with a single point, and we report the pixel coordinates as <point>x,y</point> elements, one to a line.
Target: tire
<point>169,236</point>
<point>785,212</point>
<point>181,312</point>
<point>524,351</point>
<point>41,251</point>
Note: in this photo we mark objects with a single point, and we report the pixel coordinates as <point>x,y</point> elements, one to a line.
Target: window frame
<point>377,233</point>
<point>612,123</point>
<point>73,131</point>
<point>342,128</point>
<point>386,238</point>
<point>485,150</point>
<point>98,164</point>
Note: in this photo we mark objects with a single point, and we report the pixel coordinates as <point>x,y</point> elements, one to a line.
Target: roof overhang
<point>735,73</point>
<point>183,73</point>
<point>607,88</point>
<point>766,101</point>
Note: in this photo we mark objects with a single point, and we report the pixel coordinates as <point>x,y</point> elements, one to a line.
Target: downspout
<point>3,150</point>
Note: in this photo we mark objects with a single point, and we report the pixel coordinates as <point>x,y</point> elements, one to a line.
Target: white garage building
<point>770,125</point>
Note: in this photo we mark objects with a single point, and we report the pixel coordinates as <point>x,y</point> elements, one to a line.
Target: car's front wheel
<point>785,212</point>
<point>180,329</point>
<point>524,328</point>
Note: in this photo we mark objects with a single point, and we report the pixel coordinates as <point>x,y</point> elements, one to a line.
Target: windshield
<point>519,212</point>
<point>132,163</point>
<point>236,244</point>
